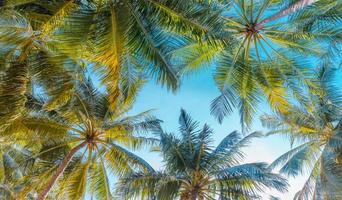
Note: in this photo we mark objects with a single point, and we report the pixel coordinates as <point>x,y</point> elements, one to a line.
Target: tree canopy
<point>70,72</point>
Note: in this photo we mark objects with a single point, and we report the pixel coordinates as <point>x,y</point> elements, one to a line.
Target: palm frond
<point>77,182</point>
<point>13,87</point>
<point>224,104</point>
<point>126,159</point>
<point>296,160</point>
<point>309,187</point>
<point>253,173</point>
<point>100,182</point>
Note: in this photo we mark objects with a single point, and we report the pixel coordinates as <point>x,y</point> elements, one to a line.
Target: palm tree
<point>316,126</point>
<point>26,63</point>
<point>80,144</point>
<point>111,36</point>
<point>195,170</point>
<point>261,51</point>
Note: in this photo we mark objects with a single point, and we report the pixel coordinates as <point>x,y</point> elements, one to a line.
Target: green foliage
<point>85,118</point>
<point>125,42</point>
<point>315,125</point>
<point>261,51</point>
<point>194,169</point>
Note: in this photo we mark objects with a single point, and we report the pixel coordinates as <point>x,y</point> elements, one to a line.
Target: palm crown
<point>316,126</point>
<point>261,51</point>
<point>195,170</point>
<point>85,139</point>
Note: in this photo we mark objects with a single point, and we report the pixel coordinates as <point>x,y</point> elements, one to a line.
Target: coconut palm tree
<point>111,36</point>
<point>316,127</point>
<point>196,170</point>
<point>25,63</point>
<point>261,51</point>
<point>80,144</point>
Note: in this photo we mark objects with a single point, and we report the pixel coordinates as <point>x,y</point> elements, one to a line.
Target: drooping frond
<point>229,151</point>
<point>224,104</point>
<point>296,160</point>
<point>13,86</point>
<point>253,174</point>
<point>77,182</point>
<point>99,182</point>
<point>124,160</point>
<point>309,187</point>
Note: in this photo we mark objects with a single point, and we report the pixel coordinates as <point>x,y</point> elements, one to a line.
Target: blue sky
<point>195,94</point>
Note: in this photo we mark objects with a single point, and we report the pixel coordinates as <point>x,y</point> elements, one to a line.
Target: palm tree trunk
<point>291,9</point>
<point>60,169</point>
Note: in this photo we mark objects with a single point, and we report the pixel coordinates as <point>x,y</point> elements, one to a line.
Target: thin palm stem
<point>291,9</point>
<point>59,171</point>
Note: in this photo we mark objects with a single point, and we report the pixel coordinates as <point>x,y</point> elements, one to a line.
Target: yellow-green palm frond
<point>100,184</point>
<point>59,69</point>
<point>13,86</point>
<point>77,182</point>
<point>59,12</point>
<point>108,47</point>
<point>12,3</point>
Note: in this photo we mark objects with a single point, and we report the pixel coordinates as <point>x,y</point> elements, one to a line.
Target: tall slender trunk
<point>291,9</point>
<point>60,169</point>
